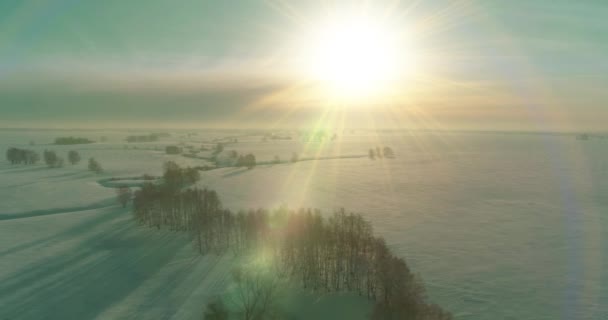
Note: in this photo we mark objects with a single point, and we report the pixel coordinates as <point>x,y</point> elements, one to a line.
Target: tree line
<point>72,140</point>
<point>143,138</point>
<point>334,254</point>
<point>50,157</point>
<point>176,177</point>
<point>247,161</point>
<point>386,152</point>
<point>22,156</point>
<point>233,158</point>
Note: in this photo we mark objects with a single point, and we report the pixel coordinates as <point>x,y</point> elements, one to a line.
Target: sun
<point>355,55</point>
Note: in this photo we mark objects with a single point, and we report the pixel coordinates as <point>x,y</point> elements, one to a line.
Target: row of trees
<point>52,160</point>
<point>143,138</point>
<point>50,157</point>
<point>386,152</point>
<point>72,140</point>
<point>22,156</point>
<point>176,177</point>
<point>247,160</point>
<point>339,253</point>
<point>233,158</point>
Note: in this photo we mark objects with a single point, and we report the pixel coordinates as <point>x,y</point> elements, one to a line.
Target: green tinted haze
<point>508,65</point>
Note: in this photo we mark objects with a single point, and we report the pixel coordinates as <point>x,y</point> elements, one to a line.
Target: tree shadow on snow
<point>26,168</point>
<point>235,172</point>
<point>112,260</point>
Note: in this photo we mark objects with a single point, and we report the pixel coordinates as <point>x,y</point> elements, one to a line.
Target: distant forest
<point>338,253</point>
<point>143,138</point>
<point>72,140</point>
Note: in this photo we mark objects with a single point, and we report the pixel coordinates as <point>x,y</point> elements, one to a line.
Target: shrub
<point>123,195</point>
<point>50,158</point>
<point>173,150</point>
<point>73,157</point>
<point>247,160</point>
<point>95,166</point>
<point>388,152</point>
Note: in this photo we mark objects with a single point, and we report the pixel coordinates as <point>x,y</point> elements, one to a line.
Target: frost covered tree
<point>73,157</point>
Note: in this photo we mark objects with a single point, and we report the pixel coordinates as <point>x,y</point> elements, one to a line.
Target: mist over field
<point>488,220</point>
<point>260,160</point>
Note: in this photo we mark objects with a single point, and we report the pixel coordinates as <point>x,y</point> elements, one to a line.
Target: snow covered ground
<point>500,226</point>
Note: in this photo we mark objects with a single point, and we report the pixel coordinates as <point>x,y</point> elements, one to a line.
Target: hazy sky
<point>524,65</point>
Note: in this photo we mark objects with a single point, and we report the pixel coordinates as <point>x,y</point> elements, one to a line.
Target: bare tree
<point>339,253</point>
<point>50,158</point>
<point>216,310</point>
<point>123,195</point>
<point>256,293</point>
<point>95,166</point>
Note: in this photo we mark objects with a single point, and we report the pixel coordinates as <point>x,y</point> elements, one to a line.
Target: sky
<point>481,65</point>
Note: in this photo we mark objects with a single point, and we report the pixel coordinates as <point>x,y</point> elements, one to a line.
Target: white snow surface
<point>499,226</point>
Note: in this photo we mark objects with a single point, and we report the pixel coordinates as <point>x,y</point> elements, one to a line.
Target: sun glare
<point>355,56</point>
